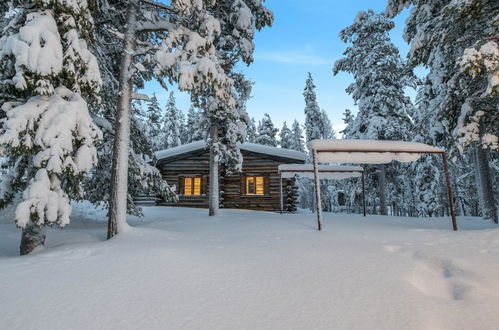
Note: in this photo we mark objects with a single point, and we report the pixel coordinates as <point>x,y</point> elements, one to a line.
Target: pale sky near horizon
<point>304,38</point>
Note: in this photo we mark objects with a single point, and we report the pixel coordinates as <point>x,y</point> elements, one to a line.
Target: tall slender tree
<point>297,142</point>
<point>171,129</point>
<point>380,77</point>
<point>313,114</point>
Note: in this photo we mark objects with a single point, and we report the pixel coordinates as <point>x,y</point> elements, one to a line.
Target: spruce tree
<point>326,127</point>
<point>458,42</point>
<point>251,133</point>
<point>47,136</point>
<point>266,132</point>
<point>380,77</point>
<point>152,125</point>
<point>313,114</point>
<point>348,118</point>
<point>170,136</point>
<point>285,137</point>
<point>297,142</point>
<point>194,129</point>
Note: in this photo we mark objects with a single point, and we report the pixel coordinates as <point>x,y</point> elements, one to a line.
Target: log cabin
<point>255,188</point>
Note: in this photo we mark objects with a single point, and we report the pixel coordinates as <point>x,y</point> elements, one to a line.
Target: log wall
<point>232,185</point>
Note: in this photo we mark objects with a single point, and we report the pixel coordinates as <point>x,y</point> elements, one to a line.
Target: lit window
<point>192,186</point>
<point>255,185</point>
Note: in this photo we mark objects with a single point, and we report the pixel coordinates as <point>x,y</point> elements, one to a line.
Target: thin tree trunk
<point>382,190</point>
<point>32,237</point>
<point>214,193</point>
<point>119,175</point>
<point>486,190</point>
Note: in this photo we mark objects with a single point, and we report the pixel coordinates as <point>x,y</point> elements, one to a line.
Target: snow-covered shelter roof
<point>325,171</point>
<point>252,147</point>
<point>369,151</point>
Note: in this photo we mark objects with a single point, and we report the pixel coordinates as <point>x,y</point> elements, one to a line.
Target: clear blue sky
<point>304,38</point>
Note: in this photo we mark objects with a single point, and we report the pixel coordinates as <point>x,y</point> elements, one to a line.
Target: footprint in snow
<point>441,277</point>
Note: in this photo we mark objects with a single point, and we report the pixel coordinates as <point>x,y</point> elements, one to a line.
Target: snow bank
<point>181,269</point>
<point>370,151</point>
<point>252,147</point>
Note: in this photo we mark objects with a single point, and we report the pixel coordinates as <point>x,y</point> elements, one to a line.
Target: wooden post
<point>280,191</point>
<point>449,191</point>
<point>317,180</point>
<point>364,193</point>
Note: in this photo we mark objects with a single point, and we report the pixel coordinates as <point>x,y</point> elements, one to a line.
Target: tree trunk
<point>485,186</point>
<point>32,237</point>
<point>214,193</point>
<point>119,175</point>
<point>382,190</point>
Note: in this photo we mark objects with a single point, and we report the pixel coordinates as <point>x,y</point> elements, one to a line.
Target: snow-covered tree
<point>457,41</point>
<point>267,132</point>
<point>171,127</point>
<point>380,77</point>
<point>193,127</point>
<point>47,136</point>
<point>285,137</point>
<point>251,133</point>
<point>153,123</point>
<point>297,142</point>
<point>326,127</point>
<point>348,118</point>
<point>313,114</point>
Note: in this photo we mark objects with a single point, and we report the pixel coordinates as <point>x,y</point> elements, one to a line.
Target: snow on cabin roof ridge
<point>252,147</point>
<point>372,145</point>
<point>310,167</point>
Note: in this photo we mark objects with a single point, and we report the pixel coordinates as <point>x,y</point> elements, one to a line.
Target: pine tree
<point>380,77</point>
<point>47,135</point>
<point>170,136</point>
<point>297,142</point>
<point>463,97</point>
<point>348,118</point>
<point>251,133</point>
<point>194,129</point>
<point>182,127</point>
<point>266,132</point>
<point>313,115</point>
<point>153,123</point>
<point>326,127</point>
<point>285,137</point>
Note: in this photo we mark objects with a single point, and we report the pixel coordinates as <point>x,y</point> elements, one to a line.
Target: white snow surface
<point>178,268</point>
<point>253,147</point>
<point>325,171</point>
<point>369,151</point>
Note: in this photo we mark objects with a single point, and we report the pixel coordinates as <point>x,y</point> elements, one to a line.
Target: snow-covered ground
<point>180,269</point>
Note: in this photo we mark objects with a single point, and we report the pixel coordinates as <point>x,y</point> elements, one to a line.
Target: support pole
<point>364,193</point>
<point>317,190</point>
<point>280,191</point>
<point>449,191</point>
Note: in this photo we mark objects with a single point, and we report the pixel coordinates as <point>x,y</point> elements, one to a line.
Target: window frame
<point>255,179</point>
<point>193,179</point>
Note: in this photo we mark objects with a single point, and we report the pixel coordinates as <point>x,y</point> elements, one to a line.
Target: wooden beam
<point>364,193</point>
<point>280,192</point>
<point>317,190</point>
<point>449,192</point>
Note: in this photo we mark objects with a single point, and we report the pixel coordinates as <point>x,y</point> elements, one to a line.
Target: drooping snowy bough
<point>372,152</point>
<point>47,136</point>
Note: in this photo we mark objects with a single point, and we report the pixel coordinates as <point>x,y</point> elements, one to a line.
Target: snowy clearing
<point>180,269</point>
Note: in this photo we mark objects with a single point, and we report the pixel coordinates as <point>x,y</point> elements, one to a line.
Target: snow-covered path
<point>180,269</point>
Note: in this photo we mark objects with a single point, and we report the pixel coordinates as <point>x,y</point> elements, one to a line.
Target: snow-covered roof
<point>369,151</point>
<point>253,147</point>
<point>325,171</point>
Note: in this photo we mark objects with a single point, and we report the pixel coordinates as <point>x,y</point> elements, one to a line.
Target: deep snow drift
<point>180,269</point>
